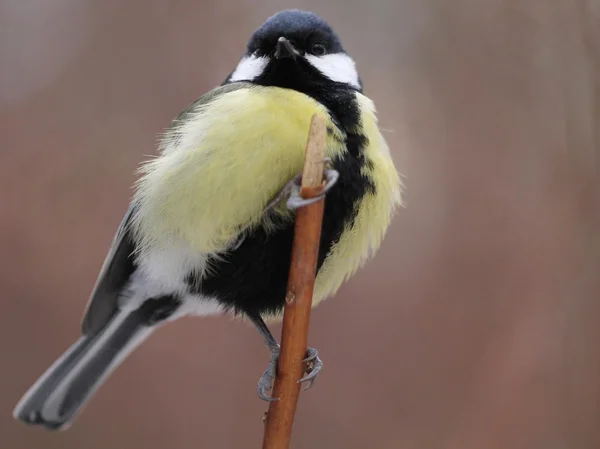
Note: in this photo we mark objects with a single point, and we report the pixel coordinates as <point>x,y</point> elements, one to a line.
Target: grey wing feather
<point>116,270</point>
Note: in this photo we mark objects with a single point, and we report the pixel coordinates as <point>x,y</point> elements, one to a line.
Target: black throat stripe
<point>253,277</point>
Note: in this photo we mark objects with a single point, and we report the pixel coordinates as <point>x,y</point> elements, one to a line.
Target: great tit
<point>210,226</point>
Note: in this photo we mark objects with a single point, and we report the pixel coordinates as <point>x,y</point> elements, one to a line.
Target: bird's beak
<point>285,49</point>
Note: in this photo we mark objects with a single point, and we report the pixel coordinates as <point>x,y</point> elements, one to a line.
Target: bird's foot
<point>314,365</point>
<point>291,190</point>
<point>295,200</point>
<point>266,381</point>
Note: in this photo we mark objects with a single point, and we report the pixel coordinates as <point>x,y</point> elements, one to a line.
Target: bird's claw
<point>291,190</point>
<point>314,365</point>
<point>266,381</point>
<point>295,201</point>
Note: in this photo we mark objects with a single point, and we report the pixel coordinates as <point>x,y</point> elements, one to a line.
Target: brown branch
<point>298,299</point>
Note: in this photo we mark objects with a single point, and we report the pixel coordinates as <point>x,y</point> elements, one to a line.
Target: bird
<point>210,225</point>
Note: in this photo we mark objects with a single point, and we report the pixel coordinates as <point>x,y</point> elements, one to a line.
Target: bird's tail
<point>56,398</point>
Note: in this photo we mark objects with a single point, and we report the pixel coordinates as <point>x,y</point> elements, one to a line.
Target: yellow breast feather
<point>222,164</point>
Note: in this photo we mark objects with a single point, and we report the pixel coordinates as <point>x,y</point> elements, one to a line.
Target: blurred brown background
<point>477,325</point>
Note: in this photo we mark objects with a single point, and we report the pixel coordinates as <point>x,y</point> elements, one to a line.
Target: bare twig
<point>298,299</point>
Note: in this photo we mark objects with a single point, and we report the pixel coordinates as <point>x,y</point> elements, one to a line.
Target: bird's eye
<point>318,49</point>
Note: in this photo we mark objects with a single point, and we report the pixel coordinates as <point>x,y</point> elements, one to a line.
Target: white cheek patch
<point>337,67</point>
<point>249,68</point>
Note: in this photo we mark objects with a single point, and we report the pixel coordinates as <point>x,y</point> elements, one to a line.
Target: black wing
<point>116,271</point>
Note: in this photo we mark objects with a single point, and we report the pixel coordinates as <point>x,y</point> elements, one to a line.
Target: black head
<point>306,31</point>
<point>298,50</point>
